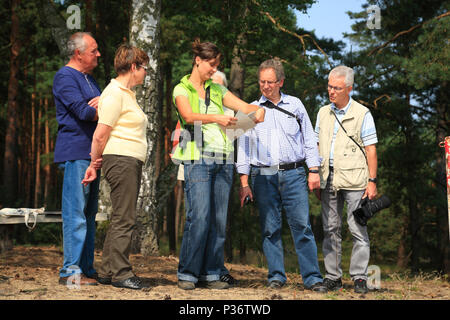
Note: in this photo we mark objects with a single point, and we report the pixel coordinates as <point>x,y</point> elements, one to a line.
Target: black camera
<point>368,208</point>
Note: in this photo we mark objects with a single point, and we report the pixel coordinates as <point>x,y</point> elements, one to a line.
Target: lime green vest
<point>191,151</point>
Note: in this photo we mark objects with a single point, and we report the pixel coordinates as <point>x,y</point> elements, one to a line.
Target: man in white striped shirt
<point>274,154</point>
<point>346,137</point>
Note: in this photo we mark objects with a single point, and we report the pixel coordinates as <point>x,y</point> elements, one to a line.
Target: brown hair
<point>205,50</point>
<point>126,55</point>
<point>274,64</point>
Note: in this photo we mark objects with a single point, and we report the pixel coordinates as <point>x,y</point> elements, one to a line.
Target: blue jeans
<point>79,207</point>
<point>286,190</point>
<point>207,190</point>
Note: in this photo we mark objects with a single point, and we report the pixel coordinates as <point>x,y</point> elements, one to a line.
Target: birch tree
<point>145,34</point>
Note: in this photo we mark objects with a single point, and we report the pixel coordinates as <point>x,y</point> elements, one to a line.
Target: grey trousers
<point>332,207</point>
<point>124,177</point>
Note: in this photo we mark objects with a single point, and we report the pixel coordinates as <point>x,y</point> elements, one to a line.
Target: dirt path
<point>31,273</point>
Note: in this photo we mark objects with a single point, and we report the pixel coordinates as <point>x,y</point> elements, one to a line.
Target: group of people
<point>278,161</point>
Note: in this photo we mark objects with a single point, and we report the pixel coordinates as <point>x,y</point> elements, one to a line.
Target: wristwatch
<point>374,180</point>
<point>313,171</point>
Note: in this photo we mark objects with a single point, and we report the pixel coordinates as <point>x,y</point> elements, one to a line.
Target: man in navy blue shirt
<point>76,98</point>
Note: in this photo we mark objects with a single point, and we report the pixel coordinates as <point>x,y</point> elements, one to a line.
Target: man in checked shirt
<point>274,154</point>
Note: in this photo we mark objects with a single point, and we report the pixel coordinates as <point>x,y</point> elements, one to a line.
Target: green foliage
<point>430,55</point>
<point>405,75</point>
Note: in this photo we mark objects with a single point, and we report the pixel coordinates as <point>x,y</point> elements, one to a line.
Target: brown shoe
<point>75,280</point>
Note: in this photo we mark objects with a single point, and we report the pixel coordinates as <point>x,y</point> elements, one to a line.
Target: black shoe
<point>276,284</point>
<point>105,281</point>
<point>228,278</point>
<point>93,276</point>
<point>318,287</point>
<point>101,280</point>
<point>333,285</point>
<point>134,283</point>
<point>361,286</point>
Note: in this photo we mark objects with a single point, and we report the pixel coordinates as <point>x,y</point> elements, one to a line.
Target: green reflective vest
<point>191,151</point>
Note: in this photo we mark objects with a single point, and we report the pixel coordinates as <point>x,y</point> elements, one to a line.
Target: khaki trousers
<point>123,175</point>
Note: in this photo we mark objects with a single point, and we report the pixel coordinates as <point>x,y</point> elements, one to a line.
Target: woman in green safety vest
<point>207,155</point>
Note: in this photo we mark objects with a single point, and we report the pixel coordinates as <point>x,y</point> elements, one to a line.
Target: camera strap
<point>269,104</point>
<point>360,148</point>
<point>190,127</point>
<point>207,98</point>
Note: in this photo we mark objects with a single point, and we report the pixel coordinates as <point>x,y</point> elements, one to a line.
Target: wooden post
<point>5,238</point>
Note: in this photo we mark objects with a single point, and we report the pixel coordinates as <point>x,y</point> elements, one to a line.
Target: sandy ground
<point>31,273</point>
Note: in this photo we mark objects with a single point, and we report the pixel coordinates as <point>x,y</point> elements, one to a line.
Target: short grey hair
<point>77,42</point>
<point>344,71</point>
<point>274,64</point>
<point>223,76</point>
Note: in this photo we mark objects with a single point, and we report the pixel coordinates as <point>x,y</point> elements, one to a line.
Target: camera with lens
<point>368,208</point>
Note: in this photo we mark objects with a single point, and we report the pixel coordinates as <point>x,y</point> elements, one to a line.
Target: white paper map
<point>245,122</point>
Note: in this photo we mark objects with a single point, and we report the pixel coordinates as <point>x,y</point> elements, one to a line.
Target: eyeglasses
<point>144,67</point>
<point>270,83</point>
<point>335,88</point>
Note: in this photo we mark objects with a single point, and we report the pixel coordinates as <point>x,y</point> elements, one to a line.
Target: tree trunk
<point>168,105</point>
<point>178,213</point>
<point>32,139</point>
<point>6,242</point>
<point>10,157</point>
<point>172,200</point>
<point>415,219</point>
<point>145,34</point>
<point>415,225</point>
<point>402,259</point>
<point>88,16</point>
<point>237,71</point>
<point>37,186</point>
<point>47,170</point>
<point>55,21</point>
<point>102,10</point>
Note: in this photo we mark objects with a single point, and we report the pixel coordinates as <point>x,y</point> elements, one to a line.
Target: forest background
<point>401,75</point>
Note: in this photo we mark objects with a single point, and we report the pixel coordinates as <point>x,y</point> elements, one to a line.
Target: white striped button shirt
<point>278,139</point>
